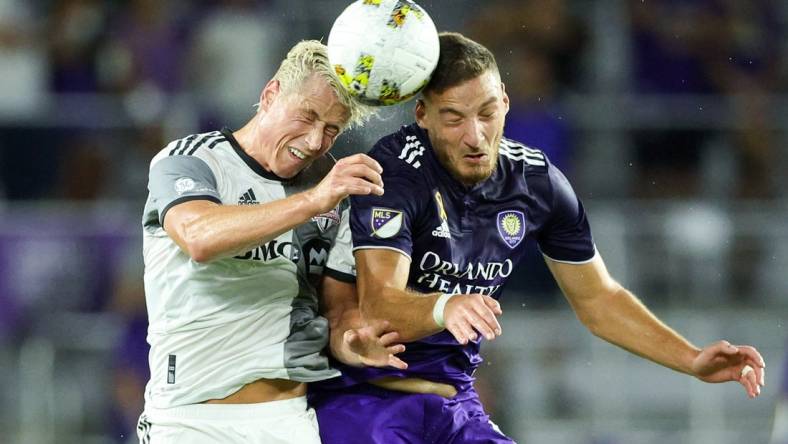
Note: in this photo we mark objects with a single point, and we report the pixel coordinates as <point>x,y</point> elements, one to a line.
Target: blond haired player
<point>240,230</point>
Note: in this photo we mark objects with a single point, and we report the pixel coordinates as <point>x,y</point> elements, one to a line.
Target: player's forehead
<point>316,97</point>
<point>478,92</point>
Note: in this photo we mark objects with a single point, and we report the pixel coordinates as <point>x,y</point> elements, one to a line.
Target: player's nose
<point>314,138</point>
<point>474,135</point>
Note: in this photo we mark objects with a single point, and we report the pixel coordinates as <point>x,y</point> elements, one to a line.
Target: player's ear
<point>505,98</point>
<point>269,93</point>
<point>421,112</point>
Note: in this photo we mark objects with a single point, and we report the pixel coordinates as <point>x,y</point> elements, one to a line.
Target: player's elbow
<point>201,255</point>
<point>600,312</point>
<point>198,248</point>
<point>590,320</point>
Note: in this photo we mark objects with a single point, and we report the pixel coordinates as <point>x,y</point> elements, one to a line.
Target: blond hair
<point>308,58</point>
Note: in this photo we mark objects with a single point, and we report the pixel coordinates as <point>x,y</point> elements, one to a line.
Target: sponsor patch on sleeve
<point>184,184</point>
<point>385,222</point>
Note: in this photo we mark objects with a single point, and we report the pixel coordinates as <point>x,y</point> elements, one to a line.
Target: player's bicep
<point>180,216</point>
<point>378,269</point>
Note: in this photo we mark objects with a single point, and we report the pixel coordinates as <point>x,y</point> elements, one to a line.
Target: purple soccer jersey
<point>459,240</point>
<point>462,240</point>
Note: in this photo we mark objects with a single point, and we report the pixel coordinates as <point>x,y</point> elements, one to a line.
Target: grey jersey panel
<point>315,240</point>
<point>176,179</point>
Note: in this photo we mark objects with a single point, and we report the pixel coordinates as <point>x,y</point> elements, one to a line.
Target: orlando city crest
<point>386,222</point>
<point>511,227</point>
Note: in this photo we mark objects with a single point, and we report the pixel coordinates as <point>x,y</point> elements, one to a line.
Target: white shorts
<point>780,428</point>
<point>287,421</point>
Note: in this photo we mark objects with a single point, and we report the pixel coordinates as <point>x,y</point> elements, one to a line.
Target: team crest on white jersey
<point>441,230</point>
<point>511,227</point>
<point>385,222</point>
<point>327,220</point>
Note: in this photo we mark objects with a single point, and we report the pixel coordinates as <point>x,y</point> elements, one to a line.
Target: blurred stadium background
<point>669,116</point>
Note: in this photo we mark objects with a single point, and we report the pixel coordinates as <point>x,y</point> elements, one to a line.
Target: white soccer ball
<point>384,51</point>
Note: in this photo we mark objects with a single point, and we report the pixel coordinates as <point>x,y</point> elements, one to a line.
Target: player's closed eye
<point>487,114</point>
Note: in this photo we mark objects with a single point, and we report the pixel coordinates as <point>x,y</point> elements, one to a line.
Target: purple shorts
<point>366,414</point>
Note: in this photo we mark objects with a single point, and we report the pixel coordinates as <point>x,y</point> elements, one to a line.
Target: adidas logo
<point>442,230</point>
<point>248,198</point>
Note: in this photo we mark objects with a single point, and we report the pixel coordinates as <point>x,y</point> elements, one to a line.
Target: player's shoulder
<point>531,161</point>
<point>199,145</point>
<point>403,151</point>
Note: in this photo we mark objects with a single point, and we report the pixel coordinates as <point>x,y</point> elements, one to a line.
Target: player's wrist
<point>313,201</point>
<point>439,308</point>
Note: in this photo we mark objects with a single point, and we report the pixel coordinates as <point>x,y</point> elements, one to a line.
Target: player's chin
<point>292,168</point>
<point>476,173</point>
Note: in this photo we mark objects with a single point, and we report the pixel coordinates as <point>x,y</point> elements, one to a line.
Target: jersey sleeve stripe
<point>380,247</point>
<point>220,138</point>
<point>182,200</point>
<point>573,262</point>
<point>516,146</point>
<point>527,159</point>
<point>202,142</point>
<point>522,154</point>
<point>188,141</point>
<point>177,147</point>
<point>180,148</point>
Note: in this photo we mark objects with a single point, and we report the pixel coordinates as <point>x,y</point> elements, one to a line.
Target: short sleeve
<point>177,179</point>
<point>386,221</point>
<point>341,265</point>
<point>566,236</point>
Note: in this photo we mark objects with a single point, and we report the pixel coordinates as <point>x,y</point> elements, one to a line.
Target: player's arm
<point>352,341</point>
<point>614,314</point>
<point>382,279</point>
<point>207,230</point>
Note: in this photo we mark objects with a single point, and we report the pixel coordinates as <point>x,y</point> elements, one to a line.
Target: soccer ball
<point>383,51</point>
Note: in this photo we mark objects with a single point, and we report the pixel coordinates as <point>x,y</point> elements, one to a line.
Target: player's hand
<point>375,346</point>
<point>358,174</point>
<point>723,362</point>
<point>467,314</point>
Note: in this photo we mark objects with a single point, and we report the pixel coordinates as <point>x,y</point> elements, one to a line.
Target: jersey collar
<point>249,160</point>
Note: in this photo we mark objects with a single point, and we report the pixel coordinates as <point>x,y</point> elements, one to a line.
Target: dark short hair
<point>461,59</point>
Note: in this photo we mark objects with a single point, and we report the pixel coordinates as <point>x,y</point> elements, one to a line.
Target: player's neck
<point>249,140</point>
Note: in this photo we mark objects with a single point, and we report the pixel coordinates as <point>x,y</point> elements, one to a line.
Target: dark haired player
<point>434,251</point>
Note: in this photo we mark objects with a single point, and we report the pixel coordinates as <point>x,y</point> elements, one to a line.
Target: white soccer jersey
<point>218,325</point>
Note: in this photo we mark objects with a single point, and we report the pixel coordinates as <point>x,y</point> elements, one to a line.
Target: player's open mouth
<point>297,153</point>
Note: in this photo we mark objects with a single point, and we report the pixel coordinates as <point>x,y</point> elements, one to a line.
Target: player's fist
<point>358,174</point>
<point>467,314</point>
